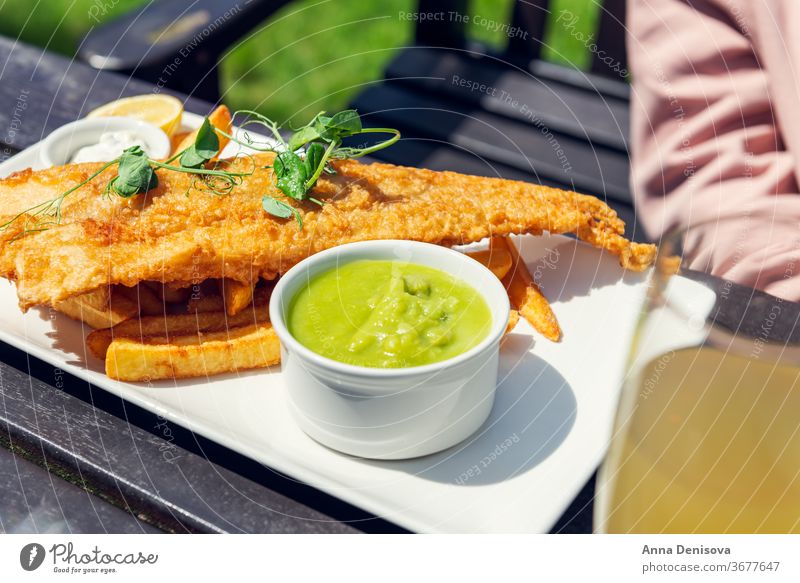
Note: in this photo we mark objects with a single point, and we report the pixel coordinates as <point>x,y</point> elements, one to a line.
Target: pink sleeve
<point>706,145</point>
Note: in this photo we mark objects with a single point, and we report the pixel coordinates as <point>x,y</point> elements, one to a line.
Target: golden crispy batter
<point>525,294</point>
<point>177,233</point>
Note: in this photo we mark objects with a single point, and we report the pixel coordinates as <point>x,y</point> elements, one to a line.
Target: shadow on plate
<point>566,268</point>
<point>69,337</point>
<point>534,411</point>
<point>248,377</point>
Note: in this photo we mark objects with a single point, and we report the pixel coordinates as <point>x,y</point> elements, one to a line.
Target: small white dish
<point>61,145</point>
<point>392,413</point>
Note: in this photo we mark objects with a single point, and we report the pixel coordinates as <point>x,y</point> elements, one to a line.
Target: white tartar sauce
<point>110,146</point>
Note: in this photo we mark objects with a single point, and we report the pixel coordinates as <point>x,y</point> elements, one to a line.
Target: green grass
<point>563,46</point>
<point>312,55</point>
<point>57,25</point>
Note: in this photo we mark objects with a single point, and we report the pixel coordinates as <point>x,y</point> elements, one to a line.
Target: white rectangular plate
<point>548,431</point>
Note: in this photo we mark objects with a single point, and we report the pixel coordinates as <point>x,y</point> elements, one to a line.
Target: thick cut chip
<point>525,294</point>
<point>143,296</point>
<point>220,118</point>
<point>193,355</point>
<point>98,309</point>
<point>169,293</point>
<point>497,260</point>
<point>98,298</point>
<point>513,320</point>
<point>207,303</point>
<point>174,325</point>
<point>216,303</point>
<point>236,295</point>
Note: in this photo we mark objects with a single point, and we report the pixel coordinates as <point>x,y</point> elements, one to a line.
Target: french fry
<point>207,303</point>
<point>176,293</point>
<point>97,298</point>
<point>88,309</point>
<point>513,320</point>
<point>171,325</point>
<point>498,260</point>
<point>143,296</point>
<point>669,265</point>
<point>254,346</point>
<point>237,295</point>
<point>525,295</point>
<point>170,293</point>
<point>176,140</point>
<point>220,118</point>
<point>216,303</point>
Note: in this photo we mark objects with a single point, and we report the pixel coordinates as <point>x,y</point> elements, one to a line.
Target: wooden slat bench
<point>511,114</point>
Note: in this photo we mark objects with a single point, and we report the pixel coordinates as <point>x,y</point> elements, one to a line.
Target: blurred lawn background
<point>311,55</point>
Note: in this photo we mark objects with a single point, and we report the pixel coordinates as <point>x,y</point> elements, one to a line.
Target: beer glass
<point>707,434</point>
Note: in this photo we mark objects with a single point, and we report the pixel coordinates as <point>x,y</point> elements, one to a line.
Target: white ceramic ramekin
<point>391,413</point>
<point>61,145</point>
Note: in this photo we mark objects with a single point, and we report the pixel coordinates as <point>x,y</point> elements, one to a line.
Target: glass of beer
<point>707,434</point>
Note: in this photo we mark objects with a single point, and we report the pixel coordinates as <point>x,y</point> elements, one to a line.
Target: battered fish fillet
<point>180,232</point>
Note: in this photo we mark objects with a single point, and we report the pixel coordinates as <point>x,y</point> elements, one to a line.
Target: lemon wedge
<point>163,111</point>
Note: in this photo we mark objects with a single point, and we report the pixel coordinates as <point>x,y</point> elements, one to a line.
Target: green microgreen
<point>280,209</point>
<point>205,147</point>
<point>306,155</point>
<point>48,213</point>
<point>298,164</point>
<point>134,176</point>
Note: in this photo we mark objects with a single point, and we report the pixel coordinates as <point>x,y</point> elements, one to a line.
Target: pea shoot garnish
<point>301,161</point>
<point>298,164</point>
<point>134,176</point>
<point>205,147</point>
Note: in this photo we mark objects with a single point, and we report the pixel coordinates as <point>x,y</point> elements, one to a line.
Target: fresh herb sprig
<point>136,175</point>
<point>300,161</point>
<point>48,213</point>
<point>297,166</point>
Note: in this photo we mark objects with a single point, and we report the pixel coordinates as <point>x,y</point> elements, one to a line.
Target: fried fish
<point>181,233</point>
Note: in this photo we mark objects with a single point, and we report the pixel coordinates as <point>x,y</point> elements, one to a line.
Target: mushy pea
<point>388,314</point>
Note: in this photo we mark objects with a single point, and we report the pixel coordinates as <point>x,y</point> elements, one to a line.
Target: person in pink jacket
<point>715,117</point>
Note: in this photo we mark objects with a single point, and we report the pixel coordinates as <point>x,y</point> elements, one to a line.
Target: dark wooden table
<point>74,458</point>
